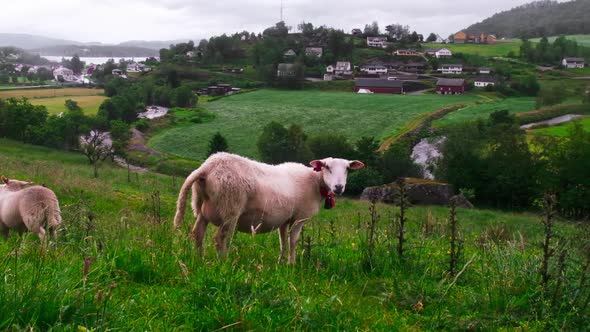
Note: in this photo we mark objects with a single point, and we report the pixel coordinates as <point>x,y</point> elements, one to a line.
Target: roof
<point>285,66</point>
<point>378,83</point>
<point>450,81</point>
<point>568,59</point>
<point>451,65</point>
<point>484,79</point>
<point>483,68</point>
<point>375,66</point>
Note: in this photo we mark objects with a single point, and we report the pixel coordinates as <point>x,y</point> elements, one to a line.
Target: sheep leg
<point>294,238</point>
<point>225,233</point>
<point>41,234</point>
<point>198,232</point>
<point>284,238</point>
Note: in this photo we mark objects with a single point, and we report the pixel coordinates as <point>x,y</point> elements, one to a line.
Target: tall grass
<point>115,266</point>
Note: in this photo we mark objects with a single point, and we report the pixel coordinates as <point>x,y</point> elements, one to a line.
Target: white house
<point>379,42</point>
<point>289,53</point>
<point>483,70</point>
<point>63,74</point>
<point>443,53</point>
<point>483,81</point>
<point>573,63</point>
<point>374,69</point>
<point>441,40</point>
<point>340,68</point>
<point>314,52</point>
<point>451,68</point>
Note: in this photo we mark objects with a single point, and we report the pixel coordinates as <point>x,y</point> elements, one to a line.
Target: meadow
<point>561,130</point>
<point>240,118</point>
<point>501,48</point>
<point>54,99</point>
<point>482,110</point>
<point>583,40</point>
<point>117,265</point>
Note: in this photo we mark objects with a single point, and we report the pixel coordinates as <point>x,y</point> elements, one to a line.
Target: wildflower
<point>353,245</point>
<point>449,252</point>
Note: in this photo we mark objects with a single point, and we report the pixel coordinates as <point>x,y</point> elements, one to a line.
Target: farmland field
<point>583,40</point>
<point>501,48</point>
<point>241,118</point>
<point>562,130</point>
<point>482,110</point>
<point>46,93</point>
<point>116,265</point>
<point>56,105</point>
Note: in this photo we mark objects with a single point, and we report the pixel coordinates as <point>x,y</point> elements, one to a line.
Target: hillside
<point>27,41</point>
<point>536,19</point>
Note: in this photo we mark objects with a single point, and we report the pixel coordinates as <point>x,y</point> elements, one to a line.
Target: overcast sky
<point>113,21</point>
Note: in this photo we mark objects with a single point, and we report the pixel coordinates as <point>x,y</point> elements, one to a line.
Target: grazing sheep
<point>232,192</point>
<point>24,206</point>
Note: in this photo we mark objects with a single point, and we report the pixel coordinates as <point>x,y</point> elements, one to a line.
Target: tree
<point>278,144</point>
<point>72,105</point>
<point>218,143</point>
<point>183,96</point>
<point>76,65</point>
<point>372,30</point>
<point>431,38</point>
<point>95,148</point>
<point>331,145</point>
<point>397,162</point>
<point>550,96</point>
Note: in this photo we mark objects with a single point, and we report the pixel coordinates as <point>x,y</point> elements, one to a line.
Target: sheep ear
<point>5,179</point>
<point>317,165</point>
<point>355,164</point>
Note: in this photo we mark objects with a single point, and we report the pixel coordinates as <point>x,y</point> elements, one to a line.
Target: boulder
<point>420,192</point>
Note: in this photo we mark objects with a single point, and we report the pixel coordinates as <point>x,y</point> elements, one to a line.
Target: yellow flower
<point>353,245</point>
<point>449,252</point>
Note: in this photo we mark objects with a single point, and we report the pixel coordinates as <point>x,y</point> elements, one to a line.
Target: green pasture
<point>483,109</point>
<point>56,105</point>
<point>240,118</point>
<point>500,48</point>
<point>562,130</point>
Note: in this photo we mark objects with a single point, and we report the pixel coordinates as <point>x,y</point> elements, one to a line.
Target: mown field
<point>483,109</point>
<point>240,118</point>
<point>583,40</point>
<point>56,105</point>
<point>501,48</point>
<point>54,99</point>
<point>116,265</point>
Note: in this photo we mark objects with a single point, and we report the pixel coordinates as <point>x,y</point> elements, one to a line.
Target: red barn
<point>378,85</point>
<point>450,86</point>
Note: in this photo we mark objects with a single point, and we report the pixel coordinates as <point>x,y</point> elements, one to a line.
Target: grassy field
<point>583,40</point>
<point>46,93</point>
<point>561,130</point>
<point>241,118</point>
<point>482,110</point>
<point>56,105</point>
<point>140,275</point>
<point>501,48</point>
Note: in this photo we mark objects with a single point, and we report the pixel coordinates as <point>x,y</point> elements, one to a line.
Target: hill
<point>151,44</point>
<point>536,19</point>
<point>26,41</point>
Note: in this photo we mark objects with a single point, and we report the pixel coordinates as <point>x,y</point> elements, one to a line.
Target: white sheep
<point>231,191</point>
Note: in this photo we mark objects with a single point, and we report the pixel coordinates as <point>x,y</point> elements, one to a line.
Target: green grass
<point>483,110</point>
<point>501,48</point>
<point>241,118</point>
<point>49,92</point>
<point>89,104</point>
<point>562,130</point>
<point>144,276</point>
<point>583,40</point>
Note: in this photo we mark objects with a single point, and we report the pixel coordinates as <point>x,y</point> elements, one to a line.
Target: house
<point>119,73</point>
<point>218,90</point>
<point>570,63</point>
<point>376,41</point>
<point>286,70</point>
<point>378,85</point>
<point>483,81</point>
<point>439,52</point>
<point>63,74</point>
<point>341,68</point>
<point>460,38</point>
<point>414,67</point>
<point>134,67</point>
<point>233,70</point>
<point>441,40</point>
<point>450,86</point>
<point>490,39</point>
<point>315,52</point>
<point>403,52</point>
<point>374,69</point>
<point>357,32</point>
<point>483,70</point>
<point>451,68</point>
<point>289,53</point>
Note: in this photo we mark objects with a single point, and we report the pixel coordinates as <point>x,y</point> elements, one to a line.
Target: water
<point>153,112</point>
<point>426,153</point>
<point>94,60</point>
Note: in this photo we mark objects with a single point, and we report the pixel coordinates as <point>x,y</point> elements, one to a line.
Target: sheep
<point>232,192</point>
<point>24,206</point>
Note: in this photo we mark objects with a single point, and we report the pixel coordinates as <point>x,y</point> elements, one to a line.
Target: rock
<point>461,202</point>
<point>420,192</point>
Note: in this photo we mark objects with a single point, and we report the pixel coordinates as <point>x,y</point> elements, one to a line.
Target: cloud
<point>114,21</point>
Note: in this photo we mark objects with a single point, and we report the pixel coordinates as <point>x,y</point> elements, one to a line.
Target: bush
<point>361,179</point>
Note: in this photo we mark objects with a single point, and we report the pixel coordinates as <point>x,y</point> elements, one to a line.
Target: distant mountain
<point>537,19</point>
<point>96,51</point>
<point>26,41</point>
<point>152,44</point>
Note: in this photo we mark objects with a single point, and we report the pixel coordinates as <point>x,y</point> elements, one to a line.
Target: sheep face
<point>334,172</point>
